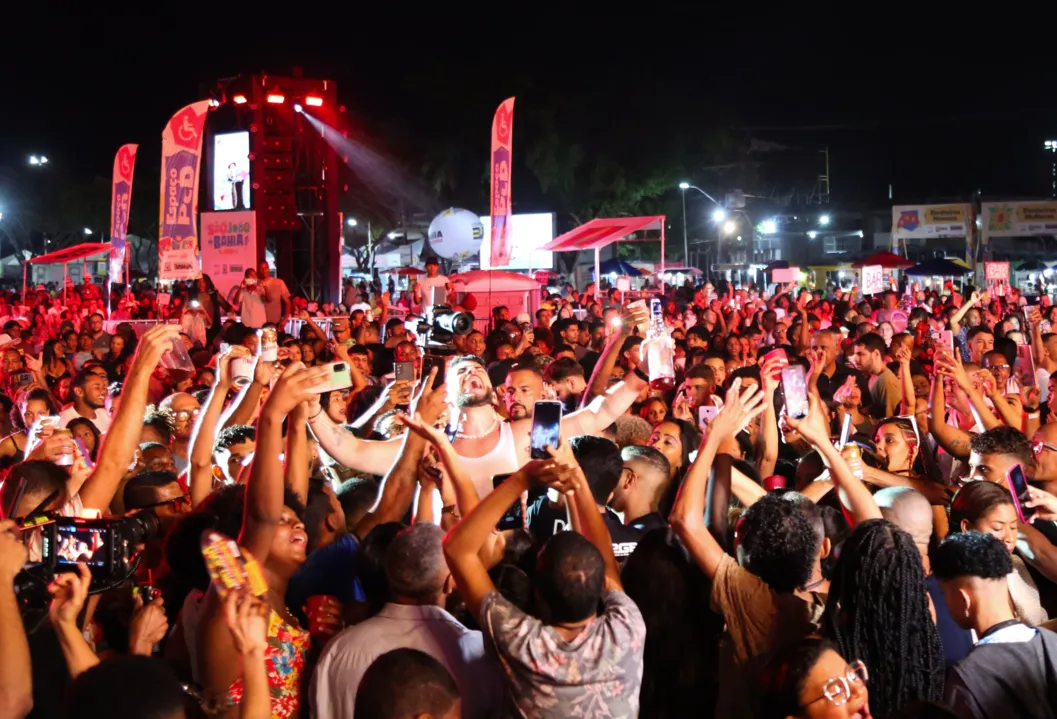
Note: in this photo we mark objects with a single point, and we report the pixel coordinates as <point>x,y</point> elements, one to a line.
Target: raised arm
<point>264,491</point>
<point>604,410</point>
<point>201,459</point>
<point>858,503</point>
<point>355,453</point>
<point>16,675</point>
<point>121,441</point>
<point>629,317</point>
<point>398,486</point>
<point>462,545</point>
<point>688,514</point>
<point>954,440</point>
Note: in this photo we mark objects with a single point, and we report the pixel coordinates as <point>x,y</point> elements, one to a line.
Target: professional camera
<point>439,327</point>
<point>109,547</point>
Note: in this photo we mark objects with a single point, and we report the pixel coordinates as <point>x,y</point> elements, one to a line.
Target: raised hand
<point>741,406</point>
<point>247,620</point>
<point>153,344</point>
<point>12,553</point>
<point>148,626</point>
<point>295,386</point>
<point>68,591</point>
<point>429,402</point>
<point>227,354</point>
<point>815,426</point>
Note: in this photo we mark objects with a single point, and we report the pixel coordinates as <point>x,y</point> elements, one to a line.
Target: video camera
<point>439,327</point>
<point>109,547</point>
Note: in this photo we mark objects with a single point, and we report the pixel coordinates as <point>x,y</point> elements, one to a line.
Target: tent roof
<point>603,231</point>
<point>888,260</point>
<point>72,254</point>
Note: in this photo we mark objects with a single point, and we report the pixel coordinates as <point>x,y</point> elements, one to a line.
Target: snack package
<point>230,566</point>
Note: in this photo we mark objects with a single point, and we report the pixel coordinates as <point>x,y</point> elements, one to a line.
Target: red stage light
<point>239,99</point>
<point>276,98</point>
<point>313,101</point>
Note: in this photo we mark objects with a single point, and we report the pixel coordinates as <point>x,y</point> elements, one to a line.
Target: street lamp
<point>684,186</point>
<point>37,160</point>
<point>729,227</point>
<point>351,222</point>
<point>87,231</point>
<point>824,220</point>
<point>1051,145</point>
<point>718,215</point>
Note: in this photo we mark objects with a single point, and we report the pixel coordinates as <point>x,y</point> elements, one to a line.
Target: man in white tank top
<point>488,445</point>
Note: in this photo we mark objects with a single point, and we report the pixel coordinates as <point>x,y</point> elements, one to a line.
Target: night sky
<point>934,119</point>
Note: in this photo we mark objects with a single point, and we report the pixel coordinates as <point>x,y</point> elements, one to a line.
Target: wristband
<point>316,414</point>
<point>641,375</point>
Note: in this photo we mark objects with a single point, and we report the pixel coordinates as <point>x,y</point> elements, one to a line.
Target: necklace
<point>495,423</point>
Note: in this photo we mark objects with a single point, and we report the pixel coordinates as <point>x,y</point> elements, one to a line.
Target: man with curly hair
<point>1012,670</point>
<point>994,452</point>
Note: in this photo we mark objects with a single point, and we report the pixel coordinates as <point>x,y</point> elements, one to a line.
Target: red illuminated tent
<point>600,232</point>
<point>65,256</point>
<point>887,260</point>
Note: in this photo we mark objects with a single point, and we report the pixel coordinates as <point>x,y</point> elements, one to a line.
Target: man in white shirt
<point>89,399</point>
<point>276,296</point>
<point>419,582</point>
<point>424,287</point>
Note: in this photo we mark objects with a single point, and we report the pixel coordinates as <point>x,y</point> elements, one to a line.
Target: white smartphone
<point>340,377</point>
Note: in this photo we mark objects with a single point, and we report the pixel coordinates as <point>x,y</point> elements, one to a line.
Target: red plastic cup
<point>314,608</point>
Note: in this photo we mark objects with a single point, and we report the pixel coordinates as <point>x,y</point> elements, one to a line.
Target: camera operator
<point>16,686</point>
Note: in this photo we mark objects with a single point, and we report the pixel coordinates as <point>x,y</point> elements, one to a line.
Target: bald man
<point>909,510</point>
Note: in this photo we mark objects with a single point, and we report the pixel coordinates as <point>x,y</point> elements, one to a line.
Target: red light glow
<point>276,98</point>
<point>313,101</point>
<point>239,99</point>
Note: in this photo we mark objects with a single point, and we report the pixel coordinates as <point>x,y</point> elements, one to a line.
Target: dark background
<point>611,109</point>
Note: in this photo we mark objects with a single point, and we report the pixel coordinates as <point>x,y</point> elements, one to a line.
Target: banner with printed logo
<point>120,196</point>
<point>1018,219</point>
<point>181,154</point>
<point>502,167</point>
<point>914,221</point>
<point>229,247</point>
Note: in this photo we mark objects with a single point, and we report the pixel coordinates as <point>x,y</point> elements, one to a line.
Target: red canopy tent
<point>600,232</point>
<point>65,256</point>
<point>887,260</point>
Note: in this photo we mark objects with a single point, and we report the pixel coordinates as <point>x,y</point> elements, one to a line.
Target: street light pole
<point>686,244</point>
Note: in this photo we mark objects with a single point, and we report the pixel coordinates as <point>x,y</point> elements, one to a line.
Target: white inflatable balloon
<point>456,234</point>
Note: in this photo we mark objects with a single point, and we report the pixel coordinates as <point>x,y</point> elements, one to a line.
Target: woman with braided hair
<point>878,611</point>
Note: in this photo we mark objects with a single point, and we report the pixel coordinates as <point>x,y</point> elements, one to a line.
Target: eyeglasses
<point>186,414</point>
<point>183,501</point>
<point>1038,445</point>
<point>839,690</point>
<point>997,366</point>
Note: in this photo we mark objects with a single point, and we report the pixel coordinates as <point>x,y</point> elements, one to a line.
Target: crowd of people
<point>888,550</point>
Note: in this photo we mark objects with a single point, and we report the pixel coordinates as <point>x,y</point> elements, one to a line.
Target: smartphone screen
<point>1024,366</point>
<point>511,518</point>
<point>706,414</point>
<point>1018,487</point>
<point>546,427</point>
<point>794,389</point>
<point>404,371</point>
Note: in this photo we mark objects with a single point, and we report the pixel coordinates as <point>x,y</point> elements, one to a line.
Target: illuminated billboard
<point>528,232</point>
<point>231,171</point>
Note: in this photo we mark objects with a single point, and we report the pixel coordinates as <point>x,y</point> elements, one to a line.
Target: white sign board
<point>789,274</point>
<point>229,247</point>
<point>872,280</point>
<point>528,232</point>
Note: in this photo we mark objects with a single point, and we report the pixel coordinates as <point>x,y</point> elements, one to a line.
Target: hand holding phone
<point>1017,483</point>
<point>794,389</point>
<point>546,427</point>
